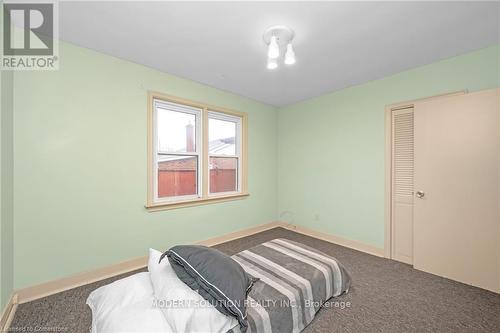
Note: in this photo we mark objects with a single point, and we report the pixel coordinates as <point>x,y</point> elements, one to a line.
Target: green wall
<point>6,181</point>
<point>6,187</point>
<point>80,175</point>
<point>331,148</point>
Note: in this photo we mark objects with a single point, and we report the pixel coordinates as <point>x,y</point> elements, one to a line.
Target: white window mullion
<point>199,150</point>
<point>238,152</point>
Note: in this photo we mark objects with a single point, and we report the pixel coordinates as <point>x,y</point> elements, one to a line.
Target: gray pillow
<point>215,276</point>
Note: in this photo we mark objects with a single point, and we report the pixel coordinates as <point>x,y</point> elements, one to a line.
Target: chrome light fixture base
<point>283,34</point>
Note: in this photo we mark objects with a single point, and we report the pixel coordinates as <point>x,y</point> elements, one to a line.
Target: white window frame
<point>237,120</point>
<point>198,148</point>
<point>202,112</point>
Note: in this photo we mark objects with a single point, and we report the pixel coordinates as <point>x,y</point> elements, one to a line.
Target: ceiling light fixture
<point>289,55</point>
<point>272,63</point>
<point>277,38</point>
<point>273,51</point>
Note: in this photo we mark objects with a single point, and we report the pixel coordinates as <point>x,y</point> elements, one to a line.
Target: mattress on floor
<point>295,281</point>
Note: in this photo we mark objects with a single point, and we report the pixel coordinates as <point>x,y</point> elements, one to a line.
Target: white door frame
<point>388,163</point>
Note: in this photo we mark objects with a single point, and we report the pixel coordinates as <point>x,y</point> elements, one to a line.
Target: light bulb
<point>289,55</point>
<point>274,50</point>
<point>272,64</point>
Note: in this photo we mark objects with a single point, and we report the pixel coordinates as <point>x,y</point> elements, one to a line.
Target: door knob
<point>420,194</point>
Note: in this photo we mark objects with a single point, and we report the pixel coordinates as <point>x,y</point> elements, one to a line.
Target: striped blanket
<point>295,280</point>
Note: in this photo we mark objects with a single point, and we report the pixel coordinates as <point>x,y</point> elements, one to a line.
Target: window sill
<point>194,202</point>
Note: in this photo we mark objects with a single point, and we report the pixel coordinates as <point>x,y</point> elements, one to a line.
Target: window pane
<point>176,131</point>
<point>223,174</point>
<point>221,137</point>
<point>177,175</point>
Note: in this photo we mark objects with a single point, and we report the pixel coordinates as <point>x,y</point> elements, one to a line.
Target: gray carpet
<point>386,296</point>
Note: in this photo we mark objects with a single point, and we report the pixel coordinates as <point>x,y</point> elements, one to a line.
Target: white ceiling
<point>337,44</point>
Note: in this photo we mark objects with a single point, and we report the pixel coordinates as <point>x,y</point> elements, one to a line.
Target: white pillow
<point>126,305</point>
<point>184,309</point>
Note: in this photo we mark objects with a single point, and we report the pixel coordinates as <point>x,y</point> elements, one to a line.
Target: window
<point>196,153</point>
<point>224,151</point>
<point>177,155</point>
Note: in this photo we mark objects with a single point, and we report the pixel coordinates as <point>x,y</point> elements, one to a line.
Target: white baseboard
<point>31,293</point>
<point>8,313</point>
<point>240,234</point>
<point>56,286</point>
<point>352,244</point>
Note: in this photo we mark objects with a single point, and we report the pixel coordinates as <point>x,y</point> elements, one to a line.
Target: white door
<point>457,185</point>
<point>402,185</point>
